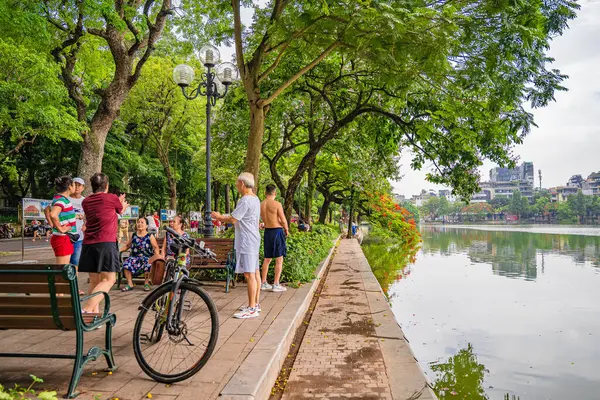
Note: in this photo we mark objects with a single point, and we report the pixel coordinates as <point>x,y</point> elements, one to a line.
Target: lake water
<point>501,312</point>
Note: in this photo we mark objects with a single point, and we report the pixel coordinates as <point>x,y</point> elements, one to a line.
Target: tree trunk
<point>227,200</point>
<point>257,128</point>
<point>324,210</point>
<point>350,215</point>
<point>92,149</point>
<point>216,195</point>
<point>310,192</point>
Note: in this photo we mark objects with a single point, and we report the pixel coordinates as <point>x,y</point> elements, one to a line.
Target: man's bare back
<point>271,213</point>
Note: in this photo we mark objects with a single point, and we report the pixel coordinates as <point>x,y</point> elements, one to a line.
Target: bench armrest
<point>106,301</point>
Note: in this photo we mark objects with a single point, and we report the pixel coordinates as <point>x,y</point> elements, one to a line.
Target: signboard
<point>34,208</point>
<point>132,212</point>
<point>167,215</point>
<point>196,216</point>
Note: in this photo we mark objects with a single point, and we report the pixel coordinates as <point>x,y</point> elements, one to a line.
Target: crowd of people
<point>86,232</point>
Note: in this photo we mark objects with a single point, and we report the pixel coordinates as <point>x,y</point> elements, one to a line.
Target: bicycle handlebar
<point>190,243</point>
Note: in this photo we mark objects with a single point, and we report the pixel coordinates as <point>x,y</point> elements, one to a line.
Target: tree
<point>157,111</point>
<point>519,205</point>
<point>87,30</point>
<point>578,206</point>
<point>457,72</point>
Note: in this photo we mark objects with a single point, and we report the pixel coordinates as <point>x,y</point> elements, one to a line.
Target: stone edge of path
<point>257,374</point>
<point>400,361</point>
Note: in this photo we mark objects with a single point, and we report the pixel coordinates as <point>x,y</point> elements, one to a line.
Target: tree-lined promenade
<point>330,94</point>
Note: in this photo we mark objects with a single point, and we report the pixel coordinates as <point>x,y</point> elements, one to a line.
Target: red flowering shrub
<point>391,220</point>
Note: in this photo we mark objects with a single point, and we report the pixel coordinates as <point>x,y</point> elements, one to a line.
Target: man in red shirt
<point>100,253</point>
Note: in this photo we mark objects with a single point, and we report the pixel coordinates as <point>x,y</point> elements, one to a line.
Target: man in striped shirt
<point>63,218</point>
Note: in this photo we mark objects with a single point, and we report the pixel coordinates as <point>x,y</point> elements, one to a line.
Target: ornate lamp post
<point>225,73</point>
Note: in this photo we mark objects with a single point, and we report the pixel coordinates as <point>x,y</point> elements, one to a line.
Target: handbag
<point>157,272</point>
<point>73,237</point>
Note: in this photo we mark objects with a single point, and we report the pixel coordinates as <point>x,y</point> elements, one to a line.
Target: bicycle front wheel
<point>173,354</point>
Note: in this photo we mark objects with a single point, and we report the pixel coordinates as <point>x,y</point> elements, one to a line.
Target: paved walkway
<point>353,347</point>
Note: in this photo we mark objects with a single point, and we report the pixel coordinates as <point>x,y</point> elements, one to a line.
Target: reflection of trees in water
<point>461,377</point>
<point>388,259</point>
<point>511,254</point>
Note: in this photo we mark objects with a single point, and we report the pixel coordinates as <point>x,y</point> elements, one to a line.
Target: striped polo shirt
<point>66,215</point>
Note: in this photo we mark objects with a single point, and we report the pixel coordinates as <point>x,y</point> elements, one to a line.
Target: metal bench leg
<point>110,360</point>
<point>227,278</point>
<point>77,366</point>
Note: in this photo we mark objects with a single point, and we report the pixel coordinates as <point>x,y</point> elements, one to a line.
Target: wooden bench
<point>34,296</point>
<point>222,247</point>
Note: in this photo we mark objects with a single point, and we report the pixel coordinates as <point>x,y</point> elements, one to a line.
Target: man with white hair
<point>245,219</point>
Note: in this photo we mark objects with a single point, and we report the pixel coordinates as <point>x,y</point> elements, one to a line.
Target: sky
<point>567,139</point>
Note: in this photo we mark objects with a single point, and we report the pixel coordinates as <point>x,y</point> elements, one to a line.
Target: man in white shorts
<point>245,219</point>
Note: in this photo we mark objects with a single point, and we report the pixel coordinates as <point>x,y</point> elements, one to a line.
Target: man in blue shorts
<point>276,230</point>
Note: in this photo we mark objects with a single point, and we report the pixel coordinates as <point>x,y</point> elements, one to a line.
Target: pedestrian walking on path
<point>76,198</point>
<point>245,220</point>
<point>276,230</point>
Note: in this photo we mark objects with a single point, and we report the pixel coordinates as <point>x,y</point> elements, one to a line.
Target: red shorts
<point>61,245</point>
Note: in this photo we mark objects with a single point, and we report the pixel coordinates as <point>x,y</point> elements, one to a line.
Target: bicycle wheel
<point>170,356</point>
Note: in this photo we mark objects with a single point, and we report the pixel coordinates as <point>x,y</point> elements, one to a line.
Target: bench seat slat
<point>9,287</point>
<point>31,267</point>
<point>33,301</point>
<point>31,278</point>
<point>34,322</point>
<point>39,310</point>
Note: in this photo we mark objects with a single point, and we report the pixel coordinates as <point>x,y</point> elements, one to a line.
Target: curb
<point>399,359</point>
<point>257,374</point>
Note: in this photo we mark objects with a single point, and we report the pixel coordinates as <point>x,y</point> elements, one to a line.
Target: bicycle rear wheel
<point>173,355</point>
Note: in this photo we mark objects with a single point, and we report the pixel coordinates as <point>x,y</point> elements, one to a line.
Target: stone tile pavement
<point>353,347</point>
<point>236,339</point>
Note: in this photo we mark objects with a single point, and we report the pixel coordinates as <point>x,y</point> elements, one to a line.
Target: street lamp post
<point>225,73</point>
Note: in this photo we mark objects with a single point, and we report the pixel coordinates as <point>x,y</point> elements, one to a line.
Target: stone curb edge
<point>396,354</point>
<point>257,374</point>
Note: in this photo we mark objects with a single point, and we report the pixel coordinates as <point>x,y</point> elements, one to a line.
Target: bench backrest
<point>222,247</point>
<point>28,297</point>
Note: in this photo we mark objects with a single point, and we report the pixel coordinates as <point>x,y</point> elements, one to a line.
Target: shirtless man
<point>276,229</point>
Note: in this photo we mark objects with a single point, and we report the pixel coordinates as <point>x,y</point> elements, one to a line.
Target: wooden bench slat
<point>31,278</point>
<point>34,322</point>
<point>39,310</point>
<point>31,267</point>
<point>7,287</point>
<point>33,301</point>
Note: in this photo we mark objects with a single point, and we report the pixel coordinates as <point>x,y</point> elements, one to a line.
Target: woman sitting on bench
<point>143,246</point>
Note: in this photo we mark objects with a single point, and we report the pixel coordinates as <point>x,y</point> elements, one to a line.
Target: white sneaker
<point>244,308</point>
<point>248,313</point>
<point>278,288</point>
<point>266,286</point>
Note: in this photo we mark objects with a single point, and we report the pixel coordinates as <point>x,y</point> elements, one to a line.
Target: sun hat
<point>79,180</point>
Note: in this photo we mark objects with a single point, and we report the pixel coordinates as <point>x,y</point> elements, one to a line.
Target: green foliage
<point>19,393</point>
<point>460,377</point>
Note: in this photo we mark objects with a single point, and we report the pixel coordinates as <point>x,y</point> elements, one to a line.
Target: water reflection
<point>536,335</point>
<point>511,254</point>
<point>462,377</point>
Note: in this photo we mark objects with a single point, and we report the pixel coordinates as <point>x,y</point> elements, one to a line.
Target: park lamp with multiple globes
<point>225,73</point>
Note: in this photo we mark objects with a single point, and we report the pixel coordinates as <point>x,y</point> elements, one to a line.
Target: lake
<point>500,312</point>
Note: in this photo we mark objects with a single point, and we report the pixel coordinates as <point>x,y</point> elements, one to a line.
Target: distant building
<point>399,198</point>
<point>505,181</point>
<point>594,181</point>
<point>575,181</point>
<point>447,194</point>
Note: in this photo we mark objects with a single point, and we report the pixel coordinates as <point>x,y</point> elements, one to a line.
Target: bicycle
<point>175,320</point>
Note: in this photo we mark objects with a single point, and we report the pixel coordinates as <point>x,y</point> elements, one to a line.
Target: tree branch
<point>298,74</point>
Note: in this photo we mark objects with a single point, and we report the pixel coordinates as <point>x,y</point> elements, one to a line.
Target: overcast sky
<point>567,139</point>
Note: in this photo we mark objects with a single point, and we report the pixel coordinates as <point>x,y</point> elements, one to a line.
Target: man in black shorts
<point>276,230</point>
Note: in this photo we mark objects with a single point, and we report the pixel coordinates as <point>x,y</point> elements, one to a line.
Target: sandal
<point>81,293</point>
<point>127,288</point>
<point>146,287</point>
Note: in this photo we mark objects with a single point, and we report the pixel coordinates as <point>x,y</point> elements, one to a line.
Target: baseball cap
<point>79,180</point>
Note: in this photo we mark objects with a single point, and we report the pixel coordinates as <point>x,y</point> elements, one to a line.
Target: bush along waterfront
<point>305,251</point>
<point>392,241</point>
